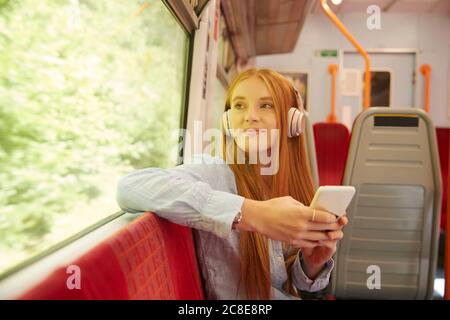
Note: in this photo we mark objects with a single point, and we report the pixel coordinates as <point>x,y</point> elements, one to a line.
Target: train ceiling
<point>258,27</point>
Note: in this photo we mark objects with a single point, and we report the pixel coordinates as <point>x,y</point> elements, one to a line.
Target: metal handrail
<point>365,55</point>
<point>332,69</point>
<point>425,69</point>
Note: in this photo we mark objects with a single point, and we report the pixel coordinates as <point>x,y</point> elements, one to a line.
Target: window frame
<point>182,13</point>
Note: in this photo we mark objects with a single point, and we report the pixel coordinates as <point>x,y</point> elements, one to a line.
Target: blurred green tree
<point>89,90</point>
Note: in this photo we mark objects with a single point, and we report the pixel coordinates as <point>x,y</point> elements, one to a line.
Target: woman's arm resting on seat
<point>181,197</point>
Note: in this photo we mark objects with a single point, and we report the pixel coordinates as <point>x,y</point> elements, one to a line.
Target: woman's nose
<point>252,115</point>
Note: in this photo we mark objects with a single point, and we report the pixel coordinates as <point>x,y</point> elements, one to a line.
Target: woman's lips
<point>252,131</point>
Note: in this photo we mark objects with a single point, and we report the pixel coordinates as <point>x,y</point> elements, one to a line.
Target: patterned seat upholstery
<point>151,258</point>
<point>442,139</point>
<point>331,141</point>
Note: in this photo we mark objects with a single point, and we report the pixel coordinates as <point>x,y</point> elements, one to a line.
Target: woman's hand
<point>288,220</point>
<point>315,258</point>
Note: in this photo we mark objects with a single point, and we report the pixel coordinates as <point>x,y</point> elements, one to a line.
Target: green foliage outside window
<point>89,90</point>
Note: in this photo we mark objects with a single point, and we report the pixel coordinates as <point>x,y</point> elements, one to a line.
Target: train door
<point>393,80</point>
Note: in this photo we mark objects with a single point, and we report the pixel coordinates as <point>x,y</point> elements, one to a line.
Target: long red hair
<point>293,178</point>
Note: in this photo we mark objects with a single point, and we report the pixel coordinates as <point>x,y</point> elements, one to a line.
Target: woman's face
<point>253,116</point>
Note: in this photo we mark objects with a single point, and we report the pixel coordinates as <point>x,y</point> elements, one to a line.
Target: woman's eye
<point>238,106</point>
<point>266,106</point>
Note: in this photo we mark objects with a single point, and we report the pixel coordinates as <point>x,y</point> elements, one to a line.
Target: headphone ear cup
<point>296,122</point>
<point>226,123</point>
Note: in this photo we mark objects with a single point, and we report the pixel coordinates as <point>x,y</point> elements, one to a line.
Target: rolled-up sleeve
<point>303,283</point>
<point>181,195</point>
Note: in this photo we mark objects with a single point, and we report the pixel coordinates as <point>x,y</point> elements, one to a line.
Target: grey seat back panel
<point>393,219</point>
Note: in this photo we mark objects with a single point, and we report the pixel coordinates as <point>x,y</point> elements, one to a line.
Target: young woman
<point>255,236</point>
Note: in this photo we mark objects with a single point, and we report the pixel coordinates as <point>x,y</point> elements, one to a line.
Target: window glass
<point>89,90</point>
<point>380,92</point>
<point>220,95</point>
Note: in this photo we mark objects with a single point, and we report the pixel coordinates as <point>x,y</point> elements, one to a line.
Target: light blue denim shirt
<point>203,196</point>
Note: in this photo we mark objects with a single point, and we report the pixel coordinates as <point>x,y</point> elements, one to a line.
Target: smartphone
<point>334,199</point>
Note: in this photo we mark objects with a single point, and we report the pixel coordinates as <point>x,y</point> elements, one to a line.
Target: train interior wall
<point>428,34</point>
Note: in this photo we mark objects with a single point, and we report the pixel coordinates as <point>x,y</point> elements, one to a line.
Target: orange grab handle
<point>425,69</point>
<point>332,69</point>
<point>365,55</point>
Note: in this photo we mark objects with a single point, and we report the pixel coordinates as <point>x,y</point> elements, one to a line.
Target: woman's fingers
<point>331,244</point>
<point>311,239</point>
<point>314,235</point>
<point>338,225</point>
<point>316,215</point>
<point>317,226</point>
<point>304,243</point>
<point>343,220</point>
<point>335,235</point>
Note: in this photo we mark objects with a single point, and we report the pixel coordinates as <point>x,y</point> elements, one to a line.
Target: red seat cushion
<point>151,258</point>
<point>331,140</point>
<point>443,141</point>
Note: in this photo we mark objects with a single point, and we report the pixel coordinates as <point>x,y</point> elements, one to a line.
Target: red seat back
<point>151,258</point>
<point>331,140</point>
<point>443,140</point>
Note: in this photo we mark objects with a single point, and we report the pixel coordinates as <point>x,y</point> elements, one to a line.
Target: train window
<point>380,89</point>
<point>300,81</point>
<point>220,95</point>
<point>198,5</point>
<point>226,55</point>
<point>87,89</point>
<point>225,59</point>
<point>224,43</point>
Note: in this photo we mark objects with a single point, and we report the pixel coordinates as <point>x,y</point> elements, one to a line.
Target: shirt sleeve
<point>303,283</point>
<point>183,195</point>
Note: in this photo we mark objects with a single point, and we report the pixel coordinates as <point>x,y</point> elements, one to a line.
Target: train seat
<point>332,141</point>
<point>443,141</point>
<point>151,258</point>
<point>391,242</point>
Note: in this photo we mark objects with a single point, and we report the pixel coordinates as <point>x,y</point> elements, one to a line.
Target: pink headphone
<point>296,118</point>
